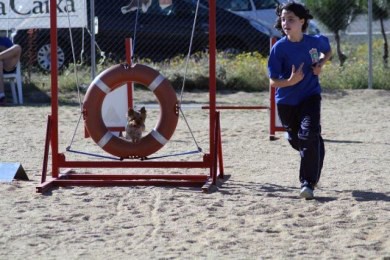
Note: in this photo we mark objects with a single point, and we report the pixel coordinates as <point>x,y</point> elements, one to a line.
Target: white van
<point>262,11</point>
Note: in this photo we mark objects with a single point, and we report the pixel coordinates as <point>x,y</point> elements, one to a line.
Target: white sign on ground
<point>114,108</point>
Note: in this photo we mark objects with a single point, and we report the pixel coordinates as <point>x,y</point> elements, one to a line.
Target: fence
<point>163,29</point>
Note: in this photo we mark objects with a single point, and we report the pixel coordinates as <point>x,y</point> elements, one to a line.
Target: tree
<point>336,15</point>
<point>381,11</point>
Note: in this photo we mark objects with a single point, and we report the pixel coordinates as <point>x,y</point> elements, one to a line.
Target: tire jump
<point>113,78</point>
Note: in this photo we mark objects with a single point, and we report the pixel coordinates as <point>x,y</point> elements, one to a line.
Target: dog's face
<point>136,118</point>
<point>135,124</point>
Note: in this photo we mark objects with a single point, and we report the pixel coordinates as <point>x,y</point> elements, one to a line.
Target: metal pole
<point>54,87</point>
<point>212,76</point>
<point>93,52</point>
<point>370,44</point>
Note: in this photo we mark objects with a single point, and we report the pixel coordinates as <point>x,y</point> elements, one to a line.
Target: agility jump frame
<point>213,161</point>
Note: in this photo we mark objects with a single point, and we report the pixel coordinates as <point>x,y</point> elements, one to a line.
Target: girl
<point>294,65</point>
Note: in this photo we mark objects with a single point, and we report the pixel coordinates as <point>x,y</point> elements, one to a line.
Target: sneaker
<point>307,193</point>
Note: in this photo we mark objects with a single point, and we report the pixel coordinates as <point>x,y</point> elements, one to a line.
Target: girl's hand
<point>317,67</point>
<point>296,75</point>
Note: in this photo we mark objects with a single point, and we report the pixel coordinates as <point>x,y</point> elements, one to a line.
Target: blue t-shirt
<point>286,53</point>
<point>6,42</point>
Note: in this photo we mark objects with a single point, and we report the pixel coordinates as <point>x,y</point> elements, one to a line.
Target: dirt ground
<point>255,213</point>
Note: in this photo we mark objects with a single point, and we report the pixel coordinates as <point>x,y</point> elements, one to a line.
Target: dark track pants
<point>302,123</point>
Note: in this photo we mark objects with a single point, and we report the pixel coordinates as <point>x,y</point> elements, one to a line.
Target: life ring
<point>113,78</point>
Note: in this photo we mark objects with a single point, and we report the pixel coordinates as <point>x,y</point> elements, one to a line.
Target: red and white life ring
<point>113,78</point>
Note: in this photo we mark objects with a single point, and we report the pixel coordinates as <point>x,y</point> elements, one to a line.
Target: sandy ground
<point>254,214</point>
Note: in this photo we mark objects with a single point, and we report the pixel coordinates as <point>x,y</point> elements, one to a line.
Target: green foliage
<point>354,73</point>
<point>381,9</point>
<point>244,72</point>
<point>334,14</point>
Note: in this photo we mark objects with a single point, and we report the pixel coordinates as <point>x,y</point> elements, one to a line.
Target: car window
<point>157,7</point>
<point>265,4</point>
<point>234,5</point>
<point>168,8</point>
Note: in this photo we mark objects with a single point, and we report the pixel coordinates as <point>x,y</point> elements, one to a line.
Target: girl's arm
<point>318,67</point>
<point>295,77</point>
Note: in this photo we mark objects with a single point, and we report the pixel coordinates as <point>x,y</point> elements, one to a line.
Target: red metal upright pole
<point>129,55</point>
<point>272,124</point>
<point>47,148</point>
<point>54,87</point>
<point>212,75</point>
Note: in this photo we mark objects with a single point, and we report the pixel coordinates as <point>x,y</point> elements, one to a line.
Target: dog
<point>135,124</point>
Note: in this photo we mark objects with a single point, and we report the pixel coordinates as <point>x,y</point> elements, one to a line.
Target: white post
<point>92,23</point>
<point>370,44</point>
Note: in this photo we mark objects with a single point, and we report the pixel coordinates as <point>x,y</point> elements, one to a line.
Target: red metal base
<point>213,162</point>
<point>105,180</point>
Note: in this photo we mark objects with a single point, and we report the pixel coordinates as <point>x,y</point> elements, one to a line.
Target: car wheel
<point>44,59</point>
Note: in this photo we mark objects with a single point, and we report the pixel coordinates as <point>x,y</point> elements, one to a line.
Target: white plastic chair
<point>15,78</point>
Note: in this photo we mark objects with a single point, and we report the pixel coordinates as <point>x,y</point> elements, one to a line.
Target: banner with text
<point>26,14</point>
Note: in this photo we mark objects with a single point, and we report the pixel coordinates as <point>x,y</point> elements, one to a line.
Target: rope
<point>75,71</point>
<point>174,154</point>
<point>135,31</point>
<point>74,59</point>
<point>189,51</point>
<point>68,149</point>
<point>185,76</point>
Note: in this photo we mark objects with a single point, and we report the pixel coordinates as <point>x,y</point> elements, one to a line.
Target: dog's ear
<point>131,112</point>
<point>143,112</point>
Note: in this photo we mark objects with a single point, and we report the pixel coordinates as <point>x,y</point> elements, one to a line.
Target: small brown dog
<point>135,124</point>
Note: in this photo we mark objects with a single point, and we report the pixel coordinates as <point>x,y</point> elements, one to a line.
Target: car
<point>36,47</point>
<point>159,32</point>
<point>262,11</point>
